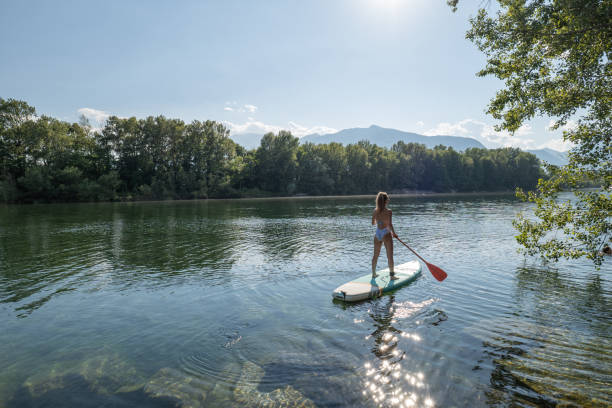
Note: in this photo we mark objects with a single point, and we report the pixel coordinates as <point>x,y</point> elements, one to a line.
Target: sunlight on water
<point>408,308</point>
<point>390,381</point>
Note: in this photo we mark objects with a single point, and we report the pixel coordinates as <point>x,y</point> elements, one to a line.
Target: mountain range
<point>551,156</point>
<point>388,137</point>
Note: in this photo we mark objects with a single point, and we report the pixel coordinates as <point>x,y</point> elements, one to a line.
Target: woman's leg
<point>388,240</point>
<point>377,246</point>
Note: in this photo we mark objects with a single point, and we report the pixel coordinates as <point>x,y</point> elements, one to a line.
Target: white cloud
<point>450,129</point>
<point>559,145</point>
<point>300,131</point>
<point>524,130</point>
<point>234,107</point>
<point>485,133</point>
<point>253,126</point>
<point>420,123</point>
<point>94,114</point>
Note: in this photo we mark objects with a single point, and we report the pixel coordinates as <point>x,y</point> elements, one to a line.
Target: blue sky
<point>307,66</point>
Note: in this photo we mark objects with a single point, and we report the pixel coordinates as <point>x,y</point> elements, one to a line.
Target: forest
<point>43,159</point>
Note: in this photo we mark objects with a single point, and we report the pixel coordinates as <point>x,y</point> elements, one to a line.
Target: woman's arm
<point>373,217</point>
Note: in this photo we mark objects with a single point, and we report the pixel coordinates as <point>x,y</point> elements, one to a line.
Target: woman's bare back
<point>382,217</point>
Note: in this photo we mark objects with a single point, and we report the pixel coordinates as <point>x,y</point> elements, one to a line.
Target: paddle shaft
<point>418,256</point>
<point>437,272</point>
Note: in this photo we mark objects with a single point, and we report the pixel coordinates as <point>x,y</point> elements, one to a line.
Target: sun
<point>390,13</point>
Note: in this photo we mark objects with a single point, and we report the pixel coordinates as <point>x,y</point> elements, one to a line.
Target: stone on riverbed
<point>105,374</point>
<point>221,396</point>
<point>188,391</point>
<point>247,395</point>
<point>331,390</point>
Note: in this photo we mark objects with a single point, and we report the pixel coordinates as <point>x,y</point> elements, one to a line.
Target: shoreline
<point>413,194</point>
<point>392,194</point>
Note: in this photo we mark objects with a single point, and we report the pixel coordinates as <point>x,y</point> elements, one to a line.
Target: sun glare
<point>386,11</point>
<point>388,3</point>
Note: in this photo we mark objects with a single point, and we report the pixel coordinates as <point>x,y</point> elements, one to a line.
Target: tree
<point>13,114</point>
<point>358,165</point>
<point>219,151</point>
<point>313,173</point>
<point>277,162</point>
<point>334,158</point>
<point>554,57</point>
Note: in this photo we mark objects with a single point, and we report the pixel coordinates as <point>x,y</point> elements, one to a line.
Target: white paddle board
<point>367,287</point>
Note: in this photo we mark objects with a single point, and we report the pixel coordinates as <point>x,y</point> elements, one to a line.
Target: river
<point>228,303</point>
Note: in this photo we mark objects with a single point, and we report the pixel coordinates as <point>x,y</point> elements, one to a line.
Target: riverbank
<point>391,193</point>
<point>288,197</point>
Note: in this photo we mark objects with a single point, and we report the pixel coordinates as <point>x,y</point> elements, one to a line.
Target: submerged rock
<point>188,391</point>
<point>105,374</point>
<point>108,376</point>
<point>46,380</point>
<point>221,395</point>
<point>247,395</point>
<point>250,377</point>
<point>80,394</point>
<point>332,390</point>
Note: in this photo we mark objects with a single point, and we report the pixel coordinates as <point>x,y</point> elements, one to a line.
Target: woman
<point>381,217</point>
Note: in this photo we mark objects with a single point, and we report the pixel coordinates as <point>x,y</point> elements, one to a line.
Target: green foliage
<point>277,163</point>
<point>367,168</point>
<point>554,57</point>
<point>36,184</point>
<point>109,184</point>
<point>314,175</point>
<point>8,190</point>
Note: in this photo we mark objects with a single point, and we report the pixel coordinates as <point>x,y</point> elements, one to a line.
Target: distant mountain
<point>551,156</point>
<point>388,137</point>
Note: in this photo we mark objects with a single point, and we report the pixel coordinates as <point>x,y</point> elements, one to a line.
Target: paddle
<point>437,273</point>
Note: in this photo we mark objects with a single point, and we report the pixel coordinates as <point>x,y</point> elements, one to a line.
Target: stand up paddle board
<point>367,287</point>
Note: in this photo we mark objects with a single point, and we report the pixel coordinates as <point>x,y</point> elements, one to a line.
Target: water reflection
<point>50,250</point>
<point>118,244</point>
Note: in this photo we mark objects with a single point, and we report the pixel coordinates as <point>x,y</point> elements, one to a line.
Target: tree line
<point>43,159</point>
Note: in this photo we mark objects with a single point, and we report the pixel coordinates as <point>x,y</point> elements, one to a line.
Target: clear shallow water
<point>228,303</point>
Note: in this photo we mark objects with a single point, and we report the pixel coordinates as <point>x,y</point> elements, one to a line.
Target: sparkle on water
<point>228,303</point>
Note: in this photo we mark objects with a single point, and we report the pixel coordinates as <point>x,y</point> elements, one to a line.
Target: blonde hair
<point>381,199</point>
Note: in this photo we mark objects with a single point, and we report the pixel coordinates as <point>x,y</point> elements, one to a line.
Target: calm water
<point>228,303</point>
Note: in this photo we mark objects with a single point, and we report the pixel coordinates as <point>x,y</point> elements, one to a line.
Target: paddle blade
<point>437,273</point>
